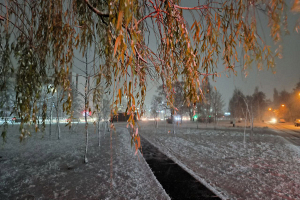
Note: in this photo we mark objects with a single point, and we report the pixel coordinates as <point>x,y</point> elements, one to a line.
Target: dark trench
<point>176,181</point>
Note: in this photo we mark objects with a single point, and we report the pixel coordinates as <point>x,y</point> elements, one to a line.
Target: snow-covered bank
<point>47,168</point>
<point>265,167</point>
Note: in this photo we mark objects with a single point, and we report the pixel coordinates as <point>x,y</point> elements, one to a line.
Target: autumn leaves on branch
<point>138,42</point>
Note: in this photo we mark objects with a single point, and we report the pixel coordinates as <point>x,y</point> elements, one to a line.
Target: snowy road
<point>287,131</point>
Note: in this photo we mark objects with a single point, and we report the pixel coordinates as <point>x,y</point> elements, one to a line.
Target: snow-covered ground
<point>43,167</point>
<point>265,167</point>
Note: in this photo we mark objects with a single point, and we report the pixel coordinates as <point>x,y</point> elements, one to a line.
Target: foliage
<point>6,84</point>
<point>42,37</point>
<point>156,105</point>
<point>291,109</point>
<point>217,104</point>
<point>237,106</point>
<point>203,108</point>
<point>179,105</point>
<point>258,104</point>
<point>255,105</point>
<point>77,103</point>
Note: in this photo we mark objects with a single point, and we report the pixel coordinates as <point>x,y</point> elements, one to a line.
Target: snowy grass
<point>265,167</point>
<point>43,167</point>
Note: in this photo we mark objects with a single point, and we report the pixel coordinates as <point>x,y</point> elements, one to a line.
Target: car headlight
<point>273,120</point>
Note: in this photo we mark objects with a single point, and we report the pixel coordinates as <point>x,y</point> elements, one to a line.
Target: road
<point>288,131</point>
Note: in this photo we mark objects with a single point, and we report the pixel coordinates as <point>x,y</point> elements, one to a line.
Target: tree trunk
<point>173,120</point>
<point>174,127</point>
<point>165,119</point>
<point>245,128</point>
<point>86,140</point>
<point>58,127</point>
<point>57,115</point>
<point>50,118</point>
<point>86,110</point>
<point>251,119</point>
<point>99,135</point>
<point>215,121</point>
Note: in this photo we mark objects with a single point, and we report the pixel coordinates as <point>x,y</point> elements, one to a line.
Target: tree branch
<point>3,18</point>
<point>95,10</point>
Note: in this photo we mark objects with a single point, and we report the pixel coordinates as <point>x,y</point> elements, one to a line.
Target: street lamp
<point>282,105</point>
<point>270,109</point>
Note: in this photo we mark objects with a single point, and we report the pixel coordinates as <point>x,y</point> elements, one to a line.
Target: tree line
<point>286,104</point>
<point>208,109</point>
<point>257,107</point>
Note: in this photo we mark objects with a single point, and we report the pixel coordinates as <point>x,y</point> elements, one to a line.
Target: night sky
<point>287,69</point>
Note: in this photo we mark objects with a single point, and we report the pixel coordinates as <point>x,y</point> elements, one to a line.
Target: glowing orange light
<point>270,109</point>
<point>282,105</point>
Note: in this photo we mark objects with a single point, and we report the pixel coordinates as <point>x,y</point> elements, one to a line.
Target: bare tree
<point>217,104</point>
<point>156,107</point>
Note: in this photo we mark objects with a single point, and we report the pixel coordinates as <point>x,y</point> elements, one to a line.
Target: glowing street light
<point>270,109</point>
<point>282,105</point>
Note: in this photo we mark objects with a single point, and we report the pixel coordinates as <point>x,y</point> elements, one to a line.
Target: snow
<point>43,167</point>
<point>265,167</point>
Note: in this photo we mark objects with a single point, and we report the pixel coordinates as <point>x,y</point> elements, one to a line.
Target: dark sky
<point>287,69</point>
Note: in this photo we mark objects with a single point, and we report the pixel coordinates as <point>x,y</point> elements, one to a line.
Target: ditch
<point>176,181</point>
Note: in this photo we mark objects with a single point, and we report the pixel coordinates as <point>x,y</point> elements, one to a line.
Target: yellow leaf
<point>129,113</point>
<point>236,58</point>
<point>120,95</point>
<point>120,18</point>
<point>129,87</point>
<point>133,101</point>
<point>296,6</point>
<point>139,141</point>
<point>117,44</point>
<point>193,24</point>
<point>219,22</point>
